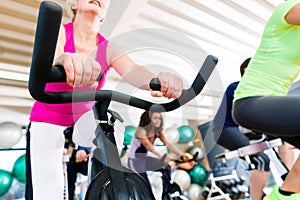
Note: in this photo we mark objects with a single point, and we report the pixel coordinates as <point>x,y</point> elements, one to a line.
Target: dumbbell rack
<point>216,189</point>
<point>245,152</point>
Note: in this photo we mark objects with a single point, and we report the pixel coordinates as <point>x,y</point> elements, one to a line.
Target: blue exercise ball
<point>186,134</point>
<point>128,134</point>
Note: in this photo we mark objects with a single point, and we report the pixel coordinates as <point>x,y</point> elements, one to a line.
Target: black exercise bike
<point>114,181</point>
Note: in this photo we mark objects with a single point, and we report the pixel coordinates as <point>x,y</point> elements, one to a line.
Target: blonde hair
<point>72,12</point>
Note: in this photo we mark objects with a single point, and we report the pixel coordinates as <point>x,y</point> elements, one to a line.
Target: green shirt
<point>276,63</point>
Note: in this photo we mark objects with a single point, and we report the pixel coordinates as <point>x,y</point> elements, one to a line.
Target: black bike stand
<point>114,181</point>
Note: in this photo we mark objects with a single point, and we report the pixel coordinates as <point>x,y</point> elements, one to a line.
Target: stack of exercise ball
<point>190,176</point>
<point>12,183</point>
<point>10,180</point>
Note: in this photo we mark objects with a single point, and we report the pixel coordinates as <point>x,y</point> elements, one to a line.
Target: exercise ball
<point>182,178</point>
<point>199,174</point>
<point>194,192</point>
<point>195,149</point>
<point>128,134</point>
<point>172,135</point>
<point>187,165</point>
<point>10,134</point>
<point>19,169</point>
<point>5,182</point>
<point>186,134</point>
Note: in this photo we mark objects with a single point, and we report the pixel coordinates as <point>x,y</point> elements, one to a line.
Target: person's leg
<point>72,176</point>
<point>278,116</point>
<point>139,166</point>
<point>46,155</point>
<point>28,189</point>
<point>231,138</point>
<point>257,182</point>
<point>291,182</point>
<point>259,176</point>
<point>287,154</point>
<point>153,164</point>
<point>290,188</point>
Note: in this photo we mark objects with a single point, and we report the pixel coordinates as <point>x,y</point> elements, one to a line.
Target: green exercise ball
<point>19,169</point>
<point>199,174</point>
<point>6,180</point>
<point>129,133</point>
<point>186,134</point>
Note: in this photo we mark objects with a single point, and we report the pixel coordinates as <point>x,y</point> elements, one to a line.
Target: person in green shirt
<point>260,100</point>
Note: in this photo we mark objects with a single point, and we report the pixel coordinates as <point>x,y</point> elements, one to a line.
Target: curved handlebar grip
<point>42,71</point>
<point>47,29</point>
<point>155,84</point>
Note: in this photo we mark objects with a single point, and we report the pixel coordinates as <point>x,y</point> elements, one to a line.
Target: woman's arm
<point>60,44</point>
<point>138,76</point>
<point>293,16</point>
<point>81,68</point>
<point>169,145</point>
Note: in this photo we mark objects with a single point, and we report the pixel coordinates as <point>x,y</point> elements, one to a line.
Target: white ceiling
<point>227,29</point>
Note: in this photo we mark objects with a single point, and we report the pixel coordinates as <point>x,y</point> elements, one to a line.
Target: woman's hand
<point>171,86</point>
<point>81,156</point>
<point>167,159</point>
<point>81,70</point>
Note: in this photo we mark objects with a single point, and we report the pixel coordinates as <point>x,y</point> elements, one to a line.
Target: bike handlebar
<point>42,71</point>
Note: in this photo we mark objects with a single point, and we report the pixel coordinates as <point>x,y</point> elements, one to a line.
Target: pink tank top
<point>67,113</point>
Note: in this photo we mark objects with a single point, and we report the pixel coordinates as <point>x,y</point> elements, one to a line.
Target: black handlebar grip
<point>155,84</point>
<point>58,74</point>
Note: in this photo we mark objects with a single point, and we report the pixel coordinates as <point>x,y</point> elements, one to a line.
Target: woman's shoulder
<point>140,131</point>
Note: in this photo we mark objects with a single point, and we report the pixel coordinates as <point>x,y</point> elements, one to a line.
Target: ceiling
<point>227,29</point>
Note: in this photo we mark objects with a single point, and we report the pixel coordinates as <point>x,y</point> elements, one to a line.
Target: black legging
<point>28,187</point>
<point>230,138</point>
<point>274,115</point>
